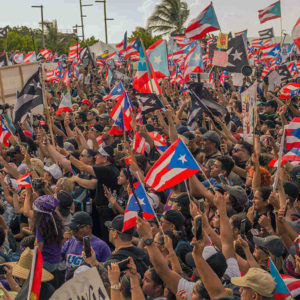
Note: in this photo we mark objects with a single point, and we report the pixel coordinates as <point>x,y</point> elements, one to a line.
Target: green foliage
<point>169,17</point>
<point>89,42</point>
<point>145,35</point>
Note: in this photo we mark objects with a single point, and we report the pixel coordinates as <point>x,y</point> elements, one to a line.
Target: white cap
<point>54,170</point>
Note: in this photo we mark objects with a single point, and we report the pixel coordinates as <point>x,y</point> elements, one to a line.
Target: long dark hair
<point>44,223</point>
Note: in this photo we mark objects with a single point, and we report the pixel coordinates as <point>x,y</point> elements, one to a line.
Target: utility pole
<point>82,16</point>
<point>105,19</point>
<point>42,21</point>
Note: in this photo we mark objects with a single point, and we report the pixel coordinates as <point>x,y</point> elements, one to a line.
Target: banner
<point>222,41</point>
<point>117,76</point>
<point>87,285</point>
<point>249,109</point>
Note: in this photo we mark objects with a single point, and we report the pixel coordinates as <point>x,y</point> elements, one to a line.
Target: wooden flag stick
<point>147,66</point>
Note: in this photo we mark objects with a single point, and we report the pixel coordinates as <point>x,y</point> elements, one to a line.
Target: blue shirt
<point>214,182</point>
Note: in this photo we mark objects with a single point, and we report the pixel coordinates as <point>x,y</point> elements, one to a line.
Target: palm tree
<point>168,17</point>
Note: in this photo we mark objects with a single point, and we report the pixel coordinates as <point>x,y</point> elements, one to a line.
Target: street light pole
<point>105,19</point>
<point>42,20</point>
<point>82,16</point>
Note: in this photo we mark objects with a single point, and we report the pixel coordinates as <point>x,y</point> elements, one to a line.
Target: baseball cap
<point>272,103</point>
<point>291,189</point>
<point>189,135</point>
<point>106,151</point>
<point>175,217</point>
<point>54,170</point>
<point>85,101</point>
<point>238,193</point>
<point>104,116</point>
<point>80,218</point>
<point>212,136</point>
<point>117,224</point>
<point>272,243</point>
<point>182,200</point>
<point>258,280</point>
<point>65,202</point>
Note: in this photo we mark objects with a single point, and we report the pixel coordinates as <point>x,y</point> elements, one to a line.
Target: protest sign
<point>87,285</point>
<point>117,76</point>
<point>12,79</point>
<point>249,109</point>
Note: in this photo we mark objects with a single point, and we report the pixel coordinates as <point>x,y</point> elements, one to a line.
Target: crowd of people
<point>80,189</point>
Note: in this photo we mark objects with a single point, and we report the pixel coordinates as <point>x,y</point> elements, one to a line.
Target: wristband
<point>115,287</point>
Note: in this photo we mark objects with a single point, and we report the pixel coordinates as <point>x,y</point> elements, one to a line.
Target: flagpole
<point>280,26</point>
<point>46,105</point>
<point>146,59</point>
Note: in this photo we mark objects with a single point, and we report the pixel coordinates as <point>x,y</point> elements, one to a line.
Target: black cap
<point>182,200</point>
<point>189,135</point>
<point>182,129</point>
<point>65,202</point>
<point>117,224</point>
<point>272,103</point>
<point>175,217</point>
<point>291,189</point>
<point>80,218</point>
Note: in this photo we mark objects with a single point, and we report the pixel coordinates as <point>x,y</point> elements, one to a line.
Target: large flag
<point>142,83</point>
<point>25,180</point>
<point>174,166</point>
<point>292,133</point>
<point>5,134</point>
<point>132,208</point>
<point>46,54</point>
<point>65,104</point>
<point>237,55</point>
<point>296,34</point>
<point>74,51</point>
<point>271,12</point>
<point>138,144</point>
<point>123,44</point>
<point>293,68</point>
<point>18,58</point>
<point>205,22</point>
<point>116,93</point>
<point>149,102</point>
<point>270,52</point>
<point>86,57</point>
<point>193,62</point>
<point>30,96</point>
<point>158,57</point>
<point>266,33</point>
<point>290,90</point>
<point>133,49</point>
<point>292,155</point>
<point>281,290</point>
<point>30,57</point>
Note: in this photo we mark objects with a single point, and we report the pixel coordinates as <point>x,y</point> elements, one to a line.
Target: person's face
<point>84,157</point>
<point>154,228</point>
<point>258,203</point>
<point>174,205</point>
<point>81,232</point>
<point>240,153</point>
<point>122,178</point>
<point>47,177</point>
<point>208,145</point>
<point>216,169</point>
<point>84,107</point>
<point>260,256</point>
<point>216,221</point>
<point>148,286</point>
<point>166,225</point>
<point>100,159</point>
<point>269,109</point>
<point>207,169</point>
<point>264,128</point>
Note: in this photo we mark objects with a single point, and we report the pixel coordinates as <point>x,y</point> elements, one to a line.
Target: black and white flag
<point>3,33</point>
<point>86,57</point>
<point>284,72</point>
<point>266,33</point>
<point>117,76</point>
<point>237,55</point>
<point>148,102</point>
<point>30,97</point>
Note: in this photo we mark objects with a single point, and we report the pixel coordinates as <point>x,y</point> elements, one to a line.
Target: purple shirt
<point>51,251</point>
<point>72,249</point>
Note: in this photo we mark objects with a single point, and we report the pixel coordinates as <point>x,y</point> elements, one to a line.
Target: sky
<point>233,15</point>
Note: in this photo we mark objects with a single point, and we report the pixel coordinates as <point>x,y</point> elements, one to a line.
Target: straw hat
<point>21,269</point>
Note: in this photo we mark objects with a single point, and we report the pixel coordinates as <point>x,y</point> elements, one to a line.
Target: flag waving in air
<point>25,180</point>
<point>292,133</point>
<point>65,104</point>
<point>296,34</point>
<point>116,93</point>
<point>132,209</point>
<point>174,166</point>
<point>205,22</point>
<point>4,134</point>
<point>271,12</point>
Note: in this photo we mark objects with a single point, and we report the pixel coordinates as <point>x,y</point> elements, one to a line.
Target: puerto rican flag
<point>270,52</point>
<point>223,77</point>
<point>205,22</point>
<point>132,208</point>
<point>292,155</point>
<point>46,53</point>
<point>66,78</point>
<point>181,41</point>
<point>290,90</point>
<point>5,134</point>
<point>293,284</point>
<point>123,44</point>
<point>293,68</point>
<point>116,93</point>
<point>65,104</point>
<point>74,51</point>
<point>256,43</point>
<point>30,57</point>
<point>76,71</point>
<point>52,75</point>
<point>174,166</point>
<point>133,49</point>
<point>266,70</point>
<point>25,180</point>
<point>193,62</point>
<point>18,58</point>
<point>141,80</point>
<point>139,143</point>
<point>158,57</point>
<point>272,11</point>
<point>99,140</point>
<point>292,133</point>
<point>296,34</point>
<point>160,142</point>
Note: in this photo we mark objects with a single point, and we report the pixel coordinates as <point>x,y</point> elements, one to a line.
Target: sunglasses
<point>235,150</point>
<point>79,227</point>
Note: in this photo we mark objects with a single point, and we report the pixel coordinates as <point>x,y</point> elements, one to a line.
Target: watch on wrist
<point>148,242</point>
<point>115,287</point>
